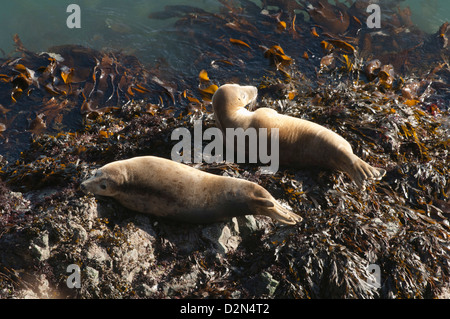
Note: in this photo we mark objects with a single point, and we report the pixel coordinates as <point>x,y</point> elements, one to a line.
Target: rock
<point>445,293</point>
<point>92,275</point>
<point>263,284</point>
<point>270,283</point>
<point>149,291</point>
<point>39,290</point>
<point>79,233</point>
<point>224,237</point>
<point>247,225</point>
<point>98,256</point>
<point>40,247</point>
<point>15,251</point>
<point>185,282</point>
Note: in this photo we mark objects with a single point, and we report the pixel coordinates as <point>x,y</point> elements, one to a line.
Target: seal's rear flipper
<point>273,209</point>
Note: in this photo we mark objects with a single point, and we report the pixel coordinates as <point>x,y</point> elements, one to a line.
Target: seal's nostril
<point>83,187</point>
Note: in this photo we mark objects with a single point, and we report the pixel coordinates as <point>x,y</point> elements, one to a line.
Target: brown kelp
<point>51,92</point>
<point>387,94</point>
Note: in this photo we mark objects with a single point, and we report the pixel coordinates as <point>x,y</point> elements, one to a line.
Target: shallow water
<point>108,24</point>
<point>125,25</point>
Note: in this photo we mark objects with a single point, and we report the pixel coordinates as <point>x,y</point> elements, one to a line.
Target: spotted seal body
<point>165,188</point>
<point>301,143</point>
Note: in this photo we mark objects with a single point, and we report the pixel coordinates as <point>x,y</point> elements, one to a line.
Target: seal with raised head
<point>301,143</point>
<point>165,188</point>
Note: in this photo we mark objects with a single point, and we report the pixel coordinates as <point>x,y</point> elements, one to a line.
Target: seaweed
<point>63,85</point>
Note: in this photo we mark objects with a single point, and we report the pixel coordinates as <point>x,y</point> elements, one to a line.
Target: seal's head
<point>231,97</point>
<point>105,182</point>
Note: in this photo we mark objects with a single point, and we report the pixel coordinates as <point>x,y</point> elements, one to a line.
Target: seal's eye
<point>102,186</point>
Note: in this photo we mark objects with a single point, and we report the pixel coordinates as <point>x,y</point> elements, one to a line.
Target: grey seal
<point>165,188</point>
<point>302,143</point>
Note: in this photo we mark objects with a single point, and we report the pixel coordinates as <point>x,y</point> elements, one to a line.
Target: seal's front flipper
<point>273,209</point>
<point>364,171</point>
<point>360,171</point>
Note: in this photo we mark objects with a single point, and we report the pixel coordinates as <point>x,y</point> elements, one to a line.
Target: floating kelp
<point>329,17</point>
<point>276,56</point>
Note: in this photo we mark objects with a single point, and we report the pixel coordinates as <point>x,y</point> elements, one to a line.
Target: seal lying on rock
<point>165,188</point>
<point>301,143</point>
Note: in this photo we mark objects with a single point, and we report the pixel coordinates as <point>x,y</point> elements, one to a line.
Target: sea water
<point>125,25</point>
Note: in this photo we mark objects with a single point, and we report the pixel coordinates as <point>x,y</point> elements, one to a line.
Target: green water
<point>429,14</point>
<point>124,25</point>
<point>105,24</point>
